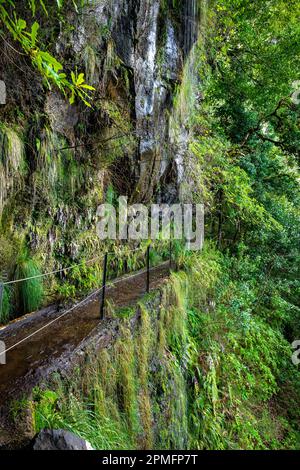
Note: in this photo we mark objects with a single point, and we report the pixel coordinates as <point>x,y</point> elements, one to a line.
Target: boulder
<point>49,439</point>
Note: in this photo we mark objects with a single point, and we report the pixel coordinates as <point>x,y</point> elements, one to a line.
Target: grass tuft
<point>29,293</point>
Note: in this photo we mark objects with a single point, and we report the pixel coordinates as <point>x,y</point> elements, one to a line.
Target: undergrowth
<point>29,293</point>
<point>189,370</point>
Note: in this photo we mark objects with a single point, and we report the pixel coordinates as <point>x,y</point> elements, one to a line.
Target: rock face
<point>59,440</point>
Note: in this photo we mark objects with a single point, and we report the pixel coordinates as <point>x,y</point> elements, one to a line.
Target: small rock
<point>59,439</point>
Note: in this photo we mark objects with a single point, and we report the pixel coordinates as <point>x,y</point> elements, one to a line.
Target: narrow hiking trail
<point>27,362</point>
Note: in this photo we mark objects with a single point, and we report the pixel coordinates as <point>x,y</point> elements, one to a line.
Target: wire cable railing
<point>101,290</point>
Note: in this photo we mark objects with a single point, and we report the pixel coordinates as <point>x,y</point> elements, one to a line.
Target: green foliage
<point>12,162</point>
<point>111,196</point>
<point>115,400</point>
<point>29,293</point>
<point>48,66</point>
<point>242,363</point>
<point>56,410</point>
<point>199,370</point>
<point>5,306</point>
<point>247,149</point>
<point>143,349</point>
<point>80,280</point>
<point>103,412</point>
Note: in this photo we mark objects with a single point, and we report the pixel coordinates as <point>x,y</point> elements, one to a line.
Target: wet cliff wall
<point>58,161</point>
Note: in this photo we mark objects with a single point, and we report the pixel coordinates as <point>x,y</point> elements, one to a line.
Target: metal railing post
<point>102,303</point>
<point>148,269</point>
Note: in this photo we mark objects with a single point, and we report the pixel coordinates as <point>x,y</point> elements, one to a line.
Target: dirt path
<point>24,362</point>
